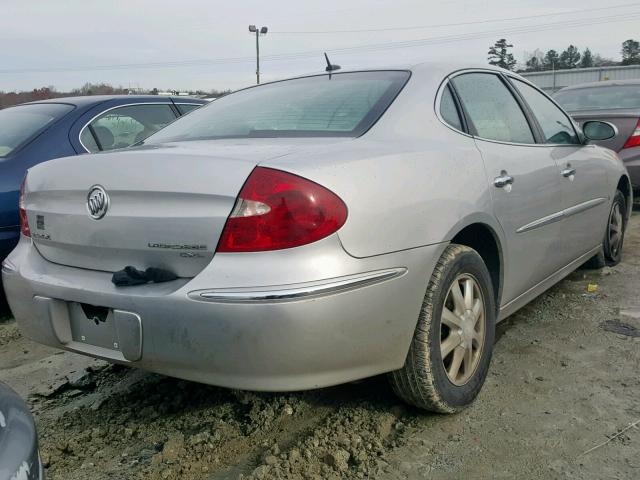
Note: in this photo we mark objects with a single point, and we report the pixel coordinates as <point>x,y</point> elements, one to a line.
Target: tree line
<point>499,54</point>
<point>8,99</point>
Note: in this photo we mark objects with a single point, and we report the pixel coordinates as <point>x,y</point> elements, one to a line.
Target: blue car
<point>35,132</point>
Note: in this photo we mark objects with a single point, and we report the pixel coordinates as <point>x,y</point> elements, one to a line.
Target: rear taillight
<point>24,222</point>
<point>278,210</point>
<point>634,139</point>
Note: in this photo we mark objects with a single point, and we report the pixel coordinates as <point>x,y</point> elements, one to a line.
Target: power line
<point>438,40</point>
<point>458,24</point>
<point>475,35</point>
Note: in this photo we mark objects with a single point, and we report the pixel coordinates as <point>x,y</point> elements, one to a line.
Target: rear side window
<point>19,125</point>
<point>555,125</point>
<point>124,126</point>
<point>341,104</point>
<point>492,110</point>
<point>448,109</point>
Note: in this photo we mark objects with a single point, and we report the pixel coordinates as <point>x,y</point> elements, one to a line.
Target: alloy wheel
<point>615,228</point>
<point>462,329</point>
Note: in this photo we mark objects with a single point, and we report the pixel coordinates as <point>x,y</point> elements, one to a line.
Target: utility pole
<point>258,32</point>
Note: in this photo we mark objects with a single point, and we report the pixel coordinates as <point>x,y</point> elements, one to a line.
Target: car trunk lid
<point>167,206</point>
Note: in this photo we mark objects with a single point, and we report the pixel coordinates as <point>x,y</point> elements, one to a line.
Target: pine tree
<point>587,59</point>
<point>631,52</point>
<point>551,60</point>
<point>500,56</point>
<point>570,57</point>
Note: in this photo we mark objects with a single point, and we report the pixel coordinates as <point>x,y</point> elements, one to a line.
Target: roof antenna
<point>330,67</point>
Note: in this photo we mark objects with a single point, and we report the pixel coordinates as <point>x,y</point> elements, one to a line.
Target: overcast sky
<point>205,44</point>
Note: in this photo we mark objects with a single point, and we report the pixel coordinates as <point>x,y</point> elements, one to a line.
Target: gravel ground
<point>564,379</point>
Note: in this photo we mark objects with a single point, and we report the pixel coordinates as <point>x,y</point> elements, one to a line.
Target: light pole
<point>258,32</point>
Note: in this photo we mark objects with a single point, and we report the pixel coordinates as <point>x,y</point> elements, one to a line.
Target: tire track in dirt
<point>124,424</point>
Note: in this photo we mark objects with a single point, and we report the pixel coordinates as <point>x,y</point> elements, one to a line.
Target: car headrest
<point>105,137</point>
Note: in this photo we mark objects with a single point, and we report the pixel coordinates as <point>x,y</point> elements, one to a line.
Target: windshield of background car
<point>342,104</point>
<point>599,98</point>
<point>18,125</point>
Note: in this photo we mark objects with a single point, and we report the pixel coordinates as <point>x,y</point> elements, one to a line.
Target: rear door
<point>522,177</point>
<point>582,173</point>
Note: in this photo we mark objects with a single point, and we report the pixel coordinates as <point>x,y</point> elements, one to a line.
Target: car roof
<point>435,71</point>
<point>81,101</point>
<point>604,83</point>
<point>425,66</point>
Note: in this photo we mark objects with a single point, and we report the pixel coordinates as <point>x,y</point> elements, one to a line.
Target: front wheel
<point>449,356</point>
<point>616,224</point>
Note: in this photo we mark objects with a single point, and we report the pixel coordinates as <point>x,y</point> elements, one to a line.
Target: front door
<point>581,171</point>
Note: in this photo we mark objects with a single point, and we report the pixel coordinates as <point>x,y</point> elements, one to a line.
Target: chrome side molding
<point>283,293</point>
<point>581,207</point>
<point>555,217</point>
<point>541,222</point>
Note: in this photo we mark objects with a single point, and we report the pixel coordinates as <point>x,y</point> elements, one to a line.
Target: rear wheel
<point>616,224</point>
<point>451,348</point>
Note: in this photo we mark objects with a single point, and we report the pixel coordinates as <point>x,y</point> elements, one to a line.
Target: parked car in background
<point>19,457</point>
<point>323,229</point>
<point>614,101</point>
<point>34,132</point>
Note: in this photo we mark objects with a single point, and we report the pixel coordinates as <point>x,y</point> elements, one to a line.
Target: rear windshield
<point>600,98</point>
<point>343,104</point>
<point>20,124</point>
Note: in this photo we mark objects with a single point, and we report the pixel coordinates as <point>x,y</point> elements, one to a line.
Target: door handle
<point>503,179</point>
<point>567,172</point>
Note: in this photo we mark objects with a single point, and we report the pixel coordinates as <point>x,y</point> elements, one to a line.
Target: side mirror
<point>597,130</point>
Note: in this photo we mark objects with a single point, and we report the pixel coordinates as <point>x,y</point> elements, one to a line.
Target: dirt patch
<point>9,333</point>
<point>166,428</point>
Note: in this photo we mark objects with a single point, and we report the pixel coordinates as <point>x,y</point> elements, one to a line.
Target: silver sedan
<point>320,230</point>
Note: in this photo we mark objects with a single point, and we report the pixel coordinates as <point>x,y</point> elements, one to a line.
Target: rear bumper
<point>297,319</point>
<point>631,160</point>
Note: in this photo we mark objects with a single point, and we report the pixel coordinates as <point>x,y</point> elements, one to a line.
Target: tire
<point>424,381</point>
<point>614,239</point>
<point>596,262</point>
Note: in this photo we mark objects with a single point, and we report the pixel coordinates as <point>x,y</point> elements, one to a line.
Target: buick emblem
<point>97,202</point>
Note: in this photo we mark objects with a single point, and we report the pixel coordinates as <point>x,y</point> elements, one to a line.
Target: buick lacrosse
<point>318,230</point>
